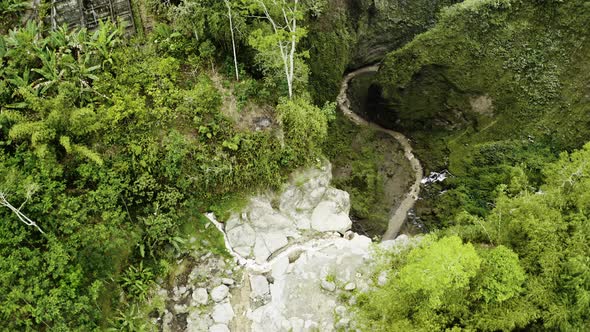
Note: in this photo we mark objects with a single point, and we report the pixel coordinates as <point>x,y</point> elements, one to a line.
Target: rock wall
<point>296,266</point>
<point>354,33</point>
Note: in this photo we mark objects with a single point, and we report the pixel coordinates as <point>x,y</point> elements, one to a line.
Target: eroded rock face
<point>307,203</point>
<point>295,262</point>
<point>306,293</point>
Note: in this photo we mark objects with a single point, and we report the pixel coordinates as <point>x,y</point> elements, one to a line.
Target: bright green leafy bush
<point>124,146</point>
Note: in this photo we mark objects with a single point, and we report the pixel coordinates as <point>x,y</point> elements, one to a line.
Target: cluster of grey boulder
<point>271,222</point>
<point>202,302</point>
<point>304,266</point>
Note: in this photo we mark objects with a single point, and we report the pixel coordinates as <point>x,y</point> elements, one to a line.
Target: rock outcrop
<point>307,204</point>
<point>304,293</point>
<point>296,265</point>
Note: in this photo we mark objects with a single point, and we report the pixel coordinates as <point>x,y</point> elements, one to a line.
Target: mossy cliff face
<point>352,33</point>
<point>493,85</point>
<point>489,58</point>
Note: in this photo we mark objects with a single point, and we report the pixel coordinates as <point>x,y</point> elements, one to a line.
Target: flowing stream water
<point>399,215</point>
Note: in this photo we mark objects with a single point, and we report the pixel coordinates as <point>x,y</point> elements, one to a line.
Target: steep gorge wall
<point>505,69</point>
<point>495,87</point>
<point>352,33</point>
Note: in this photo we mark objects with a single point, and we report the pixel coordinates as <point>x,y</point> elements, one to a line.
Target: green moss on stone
<point>526,59</point>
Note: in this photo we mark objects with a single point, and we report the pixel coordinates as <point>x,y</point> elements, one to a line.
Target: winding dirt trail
<point>397,217</point>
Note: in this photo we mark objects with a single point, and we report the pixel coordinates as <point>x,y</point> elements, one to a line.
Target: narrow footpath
<point>397,217</point>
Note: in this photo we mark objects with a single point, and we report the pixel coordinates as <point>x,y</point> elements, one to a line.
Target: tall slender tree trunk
<point>292,54</point>
<point>233,40</point>
<point>287,48</point>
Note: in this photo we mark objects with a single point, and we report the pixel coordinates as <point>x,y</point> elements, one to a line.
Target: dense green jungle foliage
<point>495,91</point>
<point>108,146</point>
<point>526,265</point>
<point>112,147</point>
<point>494,85</point>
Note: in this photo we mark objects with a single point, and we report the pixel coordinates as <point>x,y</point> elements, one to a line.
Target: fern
<point>87,153</point>
<point>2,47</point>
<point>11,116</point>
<point>42,135</point>
<point>42,151</point>
<point>65,142</point>
<point>25,130</point>
<point>83,121</point>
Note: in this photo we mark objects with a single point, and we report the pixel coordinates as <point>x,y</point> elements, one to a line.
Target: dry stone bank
<point>296,265</point>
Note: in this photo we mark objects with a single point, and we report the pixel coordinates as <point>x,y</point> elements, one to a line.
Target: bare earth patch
<point>250,117</point>
<point>482,105</point>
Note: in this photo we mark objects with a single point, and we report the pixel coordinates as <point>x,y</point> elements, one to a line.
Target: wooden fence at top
<point>88,13</point>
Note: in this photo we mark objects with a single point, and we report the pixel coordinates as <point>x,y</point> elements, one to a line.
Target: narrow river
<point>399,215</point>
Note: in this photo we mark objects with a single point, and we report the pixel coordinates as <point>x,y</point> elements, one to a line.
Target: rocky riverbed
<point>400,214</point>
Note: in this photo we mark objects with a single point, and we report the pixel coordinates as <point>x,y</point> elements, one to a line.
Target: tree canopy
<point>523,266</point>
<point>108,146</point>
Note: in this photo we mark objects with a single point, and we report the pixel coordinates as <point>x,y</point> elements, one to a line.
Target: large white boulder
<point>259,286</point>
<point>219,328</point>
<point>200,296</point>
<point>222,313</point>
<point>219,293</point>
<point>328,216</point>
<point>242,238</point>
